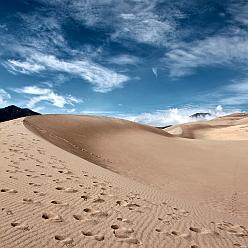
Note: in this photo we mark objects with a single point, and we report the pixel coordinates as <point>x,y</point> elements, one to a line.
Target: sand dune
<point>230,127</point>
<point>200,170</point>
<point>129,186</point>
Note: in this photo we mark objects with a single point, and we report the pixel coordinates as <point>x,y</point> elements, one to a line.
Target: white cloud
<point>213,51</point>
<point>44,94</point>
<point>125,59</point>
<point>102,78</point>
<point>24,67</point>
<point>155,71</point>
<point>33,90</point>
<point>4,97</point>
<point>173,116</point>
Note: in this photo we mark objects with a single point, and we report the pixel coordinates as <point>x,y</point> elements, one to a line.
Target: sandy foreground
<point>115,183</point>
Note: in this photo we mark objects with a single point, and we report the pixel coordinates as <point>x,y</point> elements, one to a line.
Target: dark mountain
<point>164,127</point>
<point>200,115</point>
<point>12,112</point>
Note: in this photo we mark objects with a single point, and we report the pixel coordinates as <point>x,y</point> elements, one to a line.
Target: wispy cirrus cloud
<point>239,11</point>
<point>125,59</point>
<point>45,94</point>
<point>25,67</point>
<point>235,93</point>
<point>211,52</point>
<point>139,21</point>
<point>228,46</point>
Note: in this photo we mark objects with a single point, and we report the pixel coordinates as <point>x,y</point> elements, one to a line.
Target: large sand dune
<point>205,171</point>
<point>129,186</point>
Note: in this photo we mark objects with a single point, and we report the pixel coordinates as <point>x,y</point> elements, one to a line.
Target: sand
<point>230,127</point>
<point>119,184</point>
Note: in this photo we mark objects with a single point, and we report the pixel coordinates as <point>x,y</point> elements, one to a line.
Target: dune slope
<point>206,171</point>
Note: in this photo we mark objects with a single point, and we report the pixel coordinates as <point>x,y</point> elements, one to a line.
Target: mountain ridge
<point>13,112</point>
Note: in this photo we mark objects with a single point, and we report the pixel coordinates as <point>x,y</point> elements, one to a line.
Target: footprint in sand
<point>20,226</point>
<point>99,214</point>
<point>39,193</point>
<point>97,237</point>
<point>202,231</point>
<point>35,184</point>
<point>67,190</point>
<point>12,177</point>
<point>71,190</point>
<point>175,233</point>
<point>41,166</point>
<point>12,171</point>
<point>27,170</point>
<point>125,220</point>
<point>122,232</point>
<point>65,240</point>
<point>131,206</point>
<point>52,217</point>
<point>8,212</point>
<point>85,197</point>
<point>195,229</point>
<point>59,203</point>
<point>87,210</point>
<point>115,227</point>
<point>237,230</point>
<point>31,176</point>
<point>81,218</point>
<point>27,200</point>
<point>67,172</point>
<point>13,191</point>
<point>96,213</point>
<point>131,240</point>
<point>60,188</point>
<point>124,235</point>
<point>239,245</point>
<point>87,233</point>
<point>98,200</point>
<point>78,217</point>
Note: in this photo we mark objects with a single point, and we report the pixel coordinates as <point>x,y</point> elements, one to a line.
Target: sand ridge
<point>52,198</point>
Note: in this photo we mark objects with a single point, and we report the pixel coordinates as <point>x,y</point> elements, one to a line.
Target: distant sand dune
<point>230,127</point>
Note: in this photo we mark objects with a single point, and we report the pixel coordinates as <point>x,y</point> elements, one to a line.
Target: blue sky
<point>152,61</point>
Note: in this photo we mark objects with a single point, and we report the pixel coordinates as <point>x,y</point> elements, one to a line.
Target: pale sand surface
<point>150,190</point>
<point>230,127</point>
